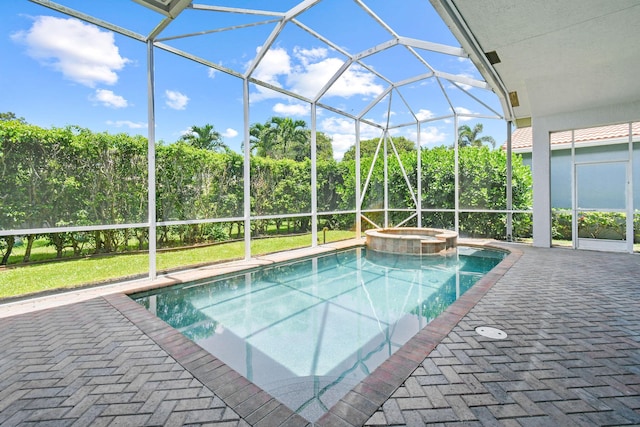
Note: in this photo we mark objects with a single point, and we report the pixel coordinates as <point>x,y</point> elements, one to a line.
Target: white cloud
<point>423,114</point>
<point>176,100</point>
<point>230,133</point>
<point>81,52</point>
<point>306,56</point>
<point>342,131</point>
<point>127,123</point>
<point>462,110</point>
<point>337,125</point>
<point>211,72</point>
<point>369,132</point>
<point>291,109</point>
<point>429,135</point>
<point>109,99</point>
<point>308,79</point>
<point>356,81</point>
<point>186,131</point>
<point>310,71</point>
<point>341,143</point>
<point>276,62</point>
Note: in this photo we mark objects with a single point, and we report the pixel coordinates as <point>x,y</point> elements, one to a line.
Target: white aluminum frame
<point>604,244</point>
<point>171,9</point>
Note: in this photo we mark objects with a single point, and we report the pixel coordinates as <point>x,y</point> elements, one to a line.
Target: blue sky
<point>59,71</point>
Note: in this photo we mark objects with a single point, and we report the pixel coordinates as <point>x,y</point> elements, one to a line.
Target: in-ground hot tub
<point>411,240</point>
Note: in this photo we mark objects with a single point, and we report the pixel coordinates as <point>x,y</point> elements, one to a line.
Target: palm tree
<point>205,137</point>
<point>468,137</point>
<point>261,139</point>
<point>279,137</point>
<point>288,134</point>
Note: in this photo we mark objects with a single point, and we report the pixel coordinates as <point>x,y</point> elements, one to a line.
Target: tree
<point>280,138</point>
<point>288,134</point>
<point>468,137</point>
<point>9,116</point>
<point>205,137</point>
<point>285,138</point>
<point>261,141</point>
<point>324,148</point>
<point>330,181</point>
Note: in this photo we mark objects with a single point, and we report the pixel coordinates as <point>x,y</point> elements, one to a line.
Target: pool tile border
<point>257,407</point>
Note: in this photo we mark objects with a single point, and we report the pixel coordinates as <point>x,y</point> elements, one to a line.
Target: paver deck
<point>571,357</point>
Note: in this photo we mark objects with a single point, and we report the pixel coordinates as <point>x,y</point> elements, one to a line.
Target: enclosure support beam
<point>151,163</point>
<point>574,201</point>
<point>358,183</point>
<point>630,202</point>
<point>386,179</point>
<point>387,139</point>
<point>509,188</point>
<point>419,180</point>
<point>456,174</point>
<point>314,180</point>
<point>247,172</point>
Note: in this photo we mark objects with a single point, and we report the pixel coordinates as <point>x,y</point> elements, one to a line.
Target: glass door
<point>601,218</point>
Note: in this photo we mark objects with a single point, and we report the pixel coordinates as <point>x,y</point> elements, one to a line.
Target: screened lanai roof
<point>539,58</point>
<point>552,57</point>
<point>372,60</point>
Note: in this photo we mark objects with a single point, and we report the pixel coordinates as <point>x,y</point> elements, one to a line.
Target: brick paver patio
<point>571,357</point>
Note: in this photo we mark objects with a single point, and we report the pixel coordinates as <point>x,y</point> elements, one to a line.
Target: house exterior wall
<point>560,171</point>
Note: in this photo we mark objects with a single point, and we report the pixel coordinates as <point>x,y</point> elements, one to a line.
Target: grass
<point>29,279</point>
<point>40,252</point>
<point>68,274</point>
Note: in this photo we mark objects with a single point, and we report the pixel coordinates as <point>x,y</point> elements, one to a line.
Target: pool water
<point>308,331</point>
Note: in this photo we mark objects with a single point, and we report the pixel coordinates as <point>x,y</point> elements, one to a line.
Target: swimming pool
<point>308,331</point>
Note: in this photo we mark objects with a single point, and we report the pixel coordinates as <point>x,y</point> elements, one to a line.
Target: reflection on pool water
<point>308,331</point>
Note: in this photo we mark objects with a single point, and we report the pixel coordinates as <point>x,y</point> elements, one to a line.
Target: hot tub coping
<point>411,240</point>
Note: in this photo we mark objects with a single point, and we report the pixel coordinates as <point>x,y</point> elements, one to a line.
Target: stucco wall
<point>561,172</point>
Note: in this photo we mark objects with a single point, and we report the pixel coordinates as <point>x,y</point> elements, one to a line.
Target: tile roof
<point>522,137</point>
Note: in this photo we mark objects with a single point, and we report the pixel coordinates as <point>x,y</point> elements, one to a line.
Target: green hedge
<point>75,177</point>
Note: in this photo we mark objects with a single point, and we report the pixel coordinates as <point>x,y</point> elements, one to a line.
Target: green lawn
<point>65,274</point>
